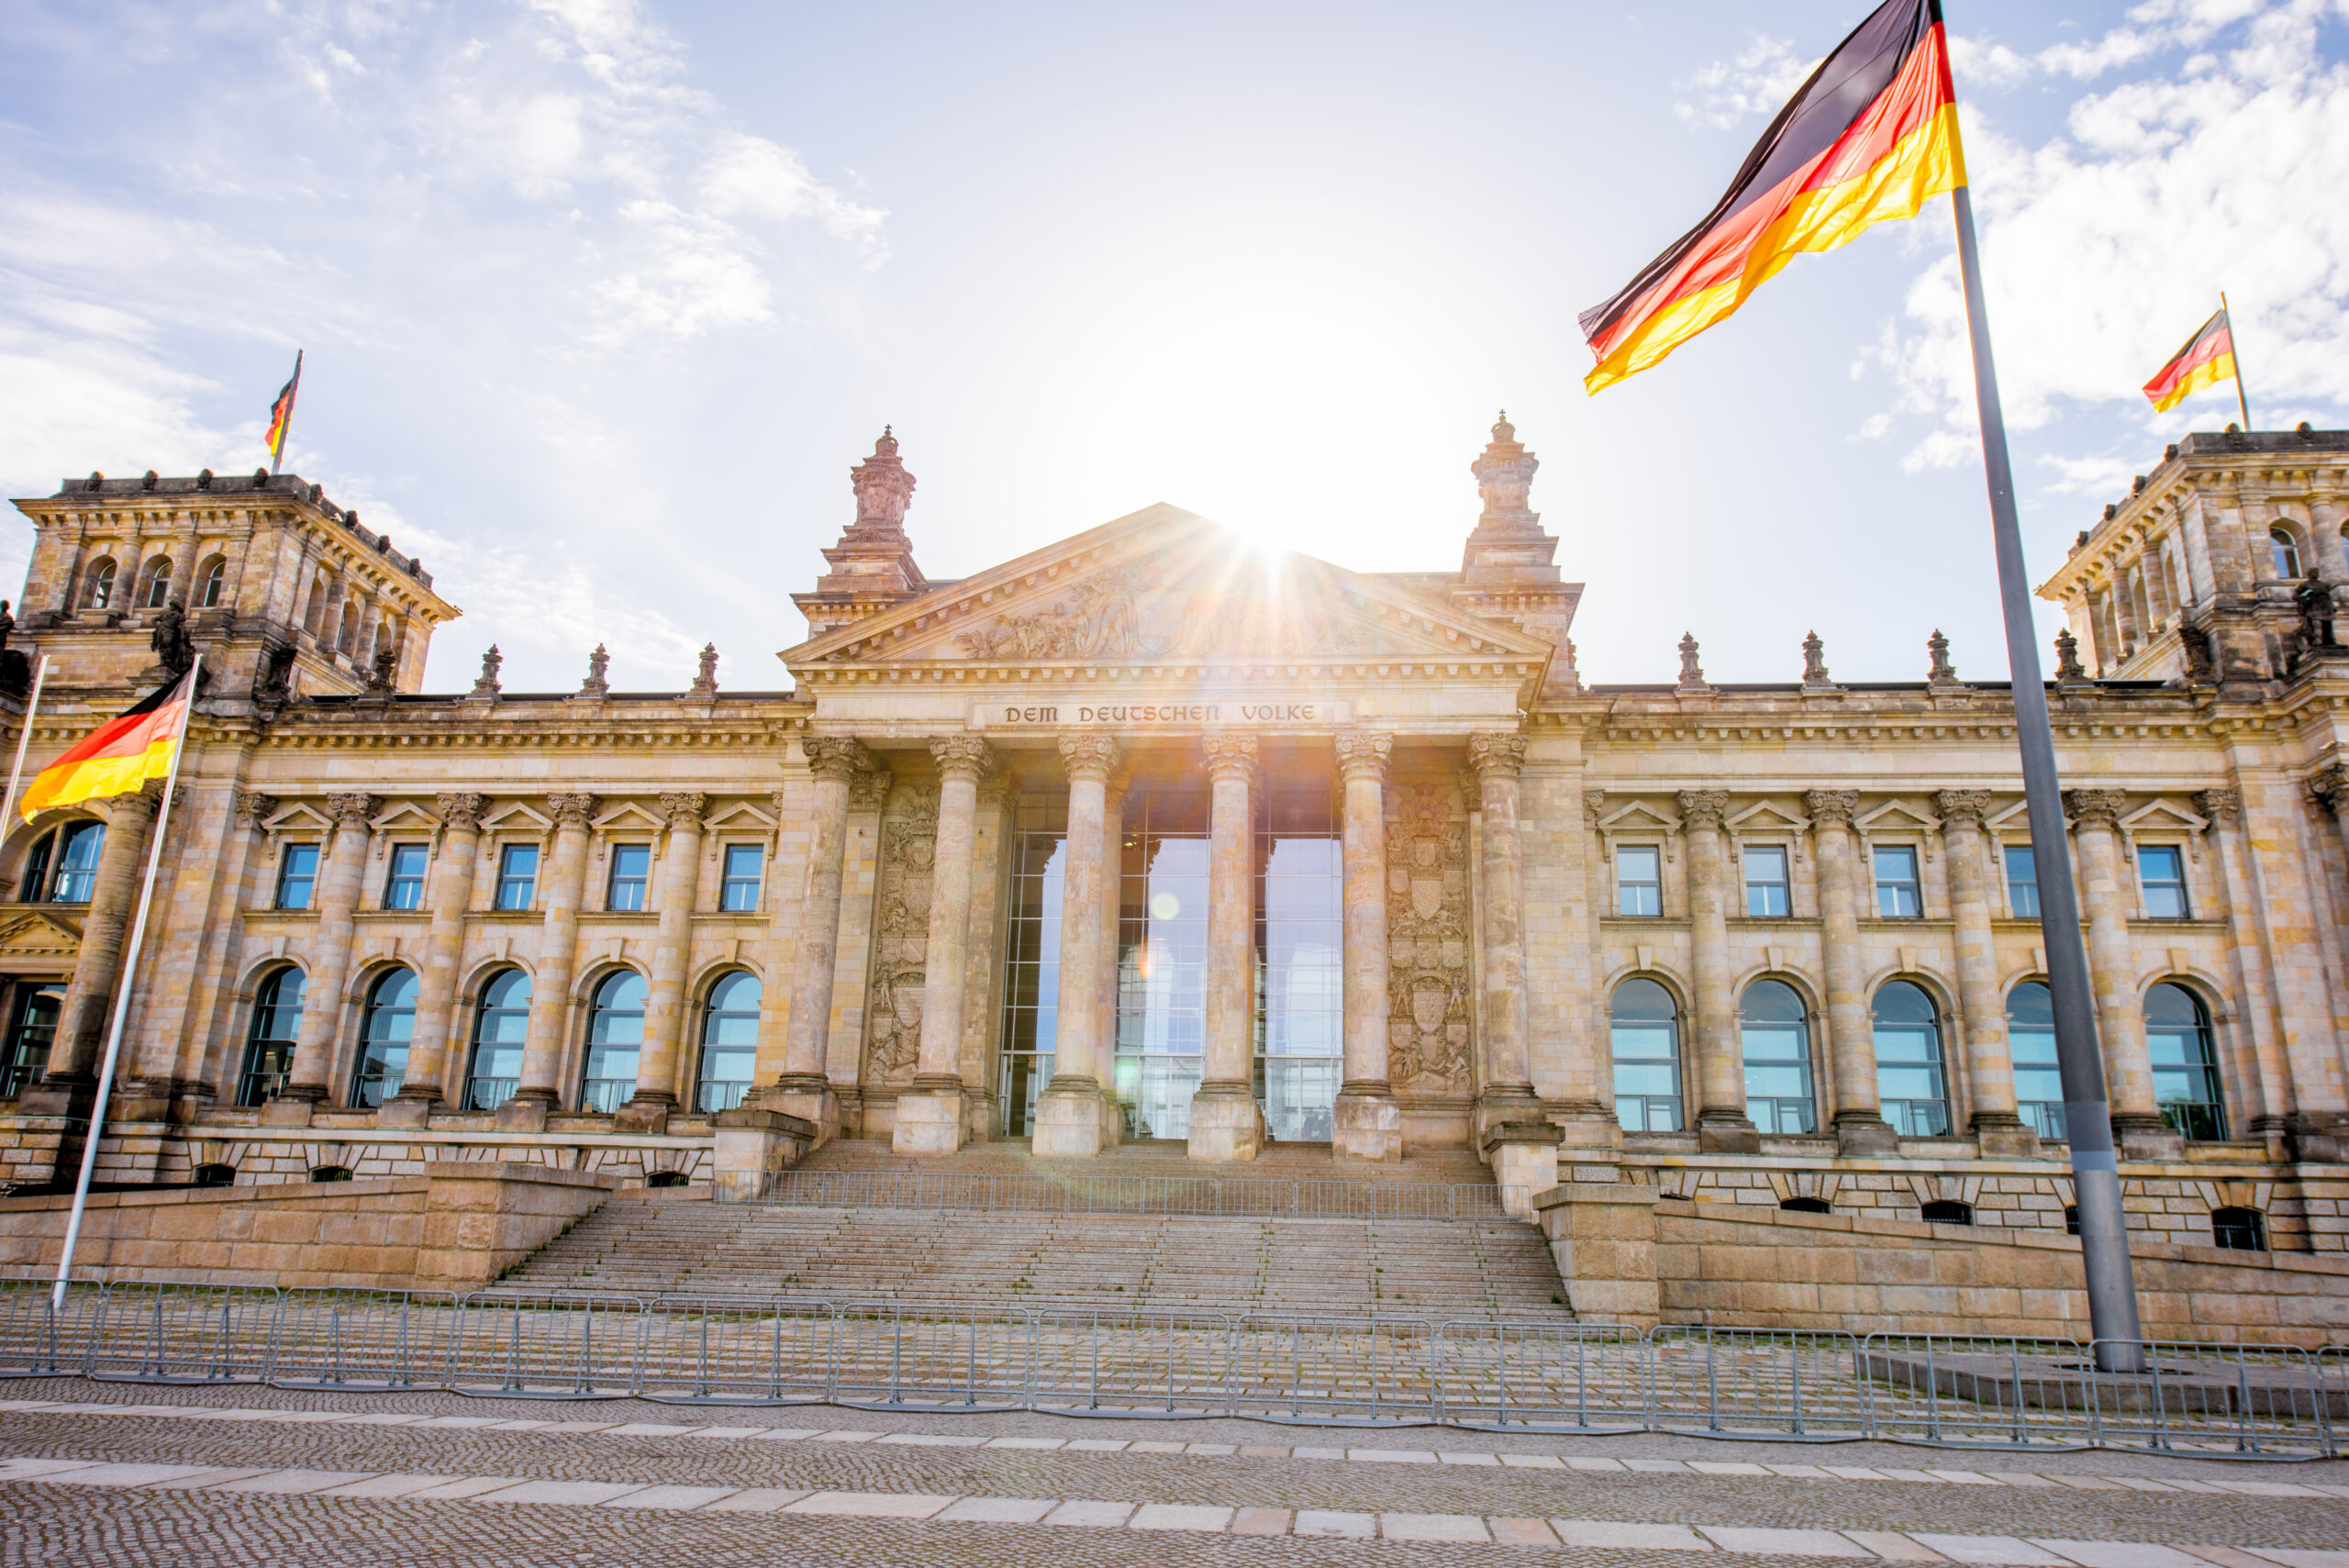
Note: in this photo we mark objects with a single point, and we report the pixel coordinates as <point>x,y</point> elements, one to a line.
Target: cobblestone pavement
<point>248,1475</point>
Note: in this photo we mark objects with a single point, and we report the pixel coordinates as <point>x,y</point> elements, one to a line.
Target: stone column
<point>1860,1127</point>
<point>649,1110</point>
<point>542,1047</point>
<point>1226,1121</point>
<point>1520,1145</point>
<point>807,1091</point>
<point>430,1047</point>
<point>1368,1124</point>
<point>2260,1064</point>
<point>930,1115</point>
<point>2106,897</point>
<point>1722,1122</point>
<point>1989,1069</point>
<point>1075,1116</point>
<point>1113,851</point>
<point>343,868</point>
<point>71,1083</point>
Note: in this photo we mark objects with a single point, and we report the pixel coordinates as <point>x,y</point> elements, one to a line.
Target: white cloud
<point>1758,81</point>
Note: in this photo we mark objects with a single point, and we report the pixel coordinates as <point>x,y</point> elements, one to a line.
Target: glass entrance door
<point>1300,972</point>
<point>1033,978</point>
<point>1162,954</point>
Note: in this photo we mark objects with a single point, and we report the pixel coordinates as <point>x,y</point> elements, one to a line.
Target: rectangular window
<point>745,864</point>
<point>1896,885</point>
<point>631,869</point>
<point>517,876</point>
<point>297,873</point>
<point>404,883</point>
<point>2161,869</point>
<point>2022,882</point>
<point>1765,882</point>
<point>1639,881</point>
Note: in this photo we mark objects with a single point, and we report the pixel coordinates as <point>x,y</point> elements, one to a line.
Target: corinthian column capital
<point>684,809</point>
<point>1703,807</point>
<point>835,757</point>
<point>1363,754</point>
<point>1831,805</point>
<point>352,811</point>
<point>1497,756</point>
<point>2094,808</point>
<point>1966,807</point>
<point>571,810</point>
<point>1089,756</point>
<point>962,756</point>
<point>2221,805</point>
<point>462,811</point>
<point>1230,756</point>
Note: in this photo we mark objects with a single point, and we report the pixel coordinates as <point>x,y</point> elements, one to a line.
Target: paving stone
<point>1990,1549</point>
<point>291,1481</point>
<point>1782,1542</point>
<point>2269,1489</point>
<point>1261,1450</point>
<point>1521,1532</point>
<point>127,1474</point>
<point>1532,1462</point>
<point>1317,1453</point>
<point>1806,1472</point>
<point>1854,1473</point>
<point>930,1439</point>
<point>1154,1448</point>
<point>1261,1521</point>
<point>1469,1458</point>
<point>1894,1547</point>
<point>2225,1556</point>
<point>1214,1450</point>
<point>26,1469</point>
<point>998,1510</point>
<point>650,1429</point>
<point>847,1436</point>
<point>1322,1521</point>
<point>1096,1445</point>
<point>1658,1466</point>
<point>1626,1537</point>
<point>1392,1455</point>
<point>386,1486</point>
<point>1090,1515</point>
<point>574,1491</point>
<point>1725,1467</point>
<point>672,1497</point>
<point>870,1505</point>
<point>2087,1484</point>
<point>2117,1553</point>
<point>2019,1478</point>
<point>466,1486</point>
<point>1027,1442</point>
<point>1593,1462</point>
<point>758,1500</point>
<point>1180,1516</point>
<point>2302,1559</point>
<point>1962,1477</point>
<point>787,1434</point>
<point>1433,1526</point>
<point>728,1434</point>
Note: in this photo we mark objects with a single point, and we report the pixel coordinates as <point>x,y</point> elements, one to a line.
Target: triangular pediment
<point>2161,817</point>
<point>627,818</point>
<point>1639,816</point>
<point>37,933</point>
<point>741,817</point>
<point>407,817</point>
<point>1895,817</point>
<point>517,817</point>
<point>299,817</point>
<point>1166,587</point>
<point>1767,816</point>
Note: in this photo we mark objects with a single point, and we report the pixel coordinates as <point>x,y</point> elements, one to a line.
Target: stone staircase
<point>652,1243</point>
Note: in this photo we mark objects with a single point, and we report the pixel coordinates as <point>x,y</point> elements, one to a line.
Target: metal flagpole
<point>2234,351</point>
<point>122,1001</point>
<point>16,773</point>
<point>2088,1117</point>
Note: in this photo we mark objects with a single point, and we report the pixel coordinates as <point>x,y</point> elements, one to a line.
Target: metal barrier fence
<point>1943,1390</point>
<point>1240,1197</point>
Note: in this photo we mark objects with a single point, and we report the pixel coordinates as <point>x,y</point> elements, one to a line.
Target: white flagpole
<point>16,773</point>
<point>122,1001</point>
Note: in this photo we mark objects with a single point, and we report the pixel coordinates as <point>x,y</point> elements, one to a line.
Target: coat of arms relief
<point>1106,615</point>
<point>1428,947</point>
<point>900,935</point>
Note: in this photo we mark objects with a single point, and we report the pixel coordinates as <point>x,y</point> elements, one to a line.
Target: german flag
<point>119,756</point>
<point>281,412</point>
<point>1869,138</point>
<point>2207,358</point>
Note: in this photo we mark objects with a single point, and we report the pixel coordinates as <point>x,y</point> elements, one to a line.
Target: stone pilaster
<point>1989,1067</point>
<point>930,1118</point>
<point>429,1047</point>
<point>1368,1124</point>
<point>1722,1122</point>
<point>344,867</point>
<point>647,1110</point>
<point>2105,897</point>
<point>1860,1127</point>
<point>807,1092</point>
<point>1515,1138</point>
<point>540,1089</point>
<point>71,1084</point>
<point>2259,1065</point>
<point>1074,1115</point>
<point>1226,1121</point>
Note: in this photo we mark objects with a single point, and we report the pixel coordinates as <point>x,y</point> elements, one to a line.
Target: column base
<point>979,1121</point>
<point>1587,1124</point>
<point>1864,1132</point>
<point>408,1109</point>
<point>750,1147</point>
<point>646,1113</point>
<point>2142,1137</point>
<point>2319,1138</point>
<point>1524,1158</point>
<point>2002,1135</point>
<point>809,1097</point>
<point>1075,1120</point>
<point>1226,1122</point>
<point>293,1108</point>
<point>1726,1131</point>
<point>527,1111</point>
<point>61,1094</point>
<point>929,1117</point>
<point>1366,1124</point>
<point>1498,1105</point>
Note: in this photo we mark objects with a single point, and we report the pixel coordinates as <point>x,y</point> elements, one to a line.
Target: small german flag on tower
<point>2207,358</point>
<point>280,416</point>
<point>1869,139</point>
<point>119,756</point>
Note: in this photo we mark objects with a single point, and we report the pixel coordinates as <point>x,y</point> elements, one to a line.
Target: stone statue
<point>487,686</point>
<point>1692,675</point>
<point>1814,662</point>
<point>596,685</point>
<point>7,623</point>
<point>387,662</point>
<point>175,650</point>
<point>1943,672</point>
<point>706,683</point>
<point>2314,599</point>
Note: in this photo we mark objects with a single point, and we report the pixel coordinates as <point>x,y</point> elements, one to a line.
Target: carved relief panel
<point>1427,940</point>
<point>900,935</point>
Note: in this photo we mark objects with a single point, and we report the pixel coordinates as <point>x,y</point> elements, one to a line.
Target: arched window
<point>1909,1081</point>
<point>614,1033</point>
<point>312,617</point>
<point>2186,1066</point>
<point>330,1174</point>
<point>213,576</point>
<point>33,885</point>
<point>347,638</point>
<point>1644,1028</point>
<point>501,1023</point>
<point>32,1032</point>
<point>215,1175</point>
<point>79,845</point>
<point>730,1043</point>
<point>665,1179</point>
<point>2288,554</point>
<point>269,1041</point>
<point>158,580</point>
<point>2239,1230</point>
<point>1773,1037</point>
<point>1948,1211</point>
<point>2031,1042</point>
<point>1806,1206</point>
<point>99,593</point>
<point>384,1030</point>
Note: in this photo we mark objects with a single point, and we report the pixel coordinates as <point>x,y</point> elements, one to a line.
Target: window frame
<point>2176,854</point>
<point>32,882</point>
<point>286,876</point>
<point>394,882</point>
<point>727,883</point>
<point>483,1012</point>
<point>155,584</point>
<point>69,838</point>
<point>503,882</point>
<point>2007,863</point>
<point>593,1086</point>
<point>18,1072</point>
<point>1807,1063</point>
<point>2280,543</point>
<point>1678,1099</point>
<point>373,1011</point>
<point>98,582</point>
<point>2243,1221</point>
<point>712,1013</point>
<point>640,887</point>
<point>1915,883</point>
<point>1623,886</point>
<point>2210,1128</point>
<point>1905,1120</point>
<point>257,1073</point>
<point>1784,886</point>
<point>214,582</point>
<point>2042,1115</point>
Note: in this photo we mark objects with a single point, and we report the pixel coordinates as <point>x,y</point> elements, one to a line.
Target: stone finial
<point>1968,806</point>
<point>1364,754</point>
<point>253,809</point>
<point>1835,805</point>
<point>705,681</point>
<point>596,685</point>
<point>962,756</point>
<point>352,811</point>
<point>486,685</point>
<point>2327,787</point>
<point>2068,669</point>
<point>2095,807</point>
<point>1940,672</point>
<point>387,664</point>
<point>835,757</point>
<point>572,810</point>
<point>1229,756</point>
<point>1496,756</point>
<point>2225,805</point>
<point>884,488</point>
<point>1089,756</point>
<point>868,790</point>
<point>1703,808</point>
<point>462,809</point>
<point>1692,675</point>
<point>684,808</point>
<point>1571,678</point>
<point>1814,663</point>
<point>1505,479</point>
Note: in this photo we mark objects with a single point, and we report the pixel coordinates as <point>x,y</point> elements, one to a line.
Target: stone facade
<point>1142,833</point>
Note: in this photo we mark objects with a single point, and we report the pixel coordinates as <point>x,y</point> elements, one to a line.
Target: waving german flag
<point>2207,358</point>
<point>281,413</point>
<point>1869,137</point>
<point>119,756</point>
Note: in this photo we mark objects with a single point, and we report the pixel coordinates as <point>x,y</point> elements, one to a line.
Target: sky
<point>601,299</point>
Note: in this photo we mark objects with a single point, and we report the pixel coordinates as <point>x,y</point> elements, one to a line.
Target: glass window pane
<point>297,871</point>
<point>518,875</point>
<point>2022,882</point>
<point>1896,883</point>
<point>1765,880</point>
<point>1638,881</point>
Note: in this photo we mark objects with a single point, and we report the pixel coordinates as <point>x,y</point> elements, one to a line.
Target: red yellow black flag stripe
<point>2207,358</point>
<point>119,756</point>
<point>281,412</point>
<point>1867,140</point>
